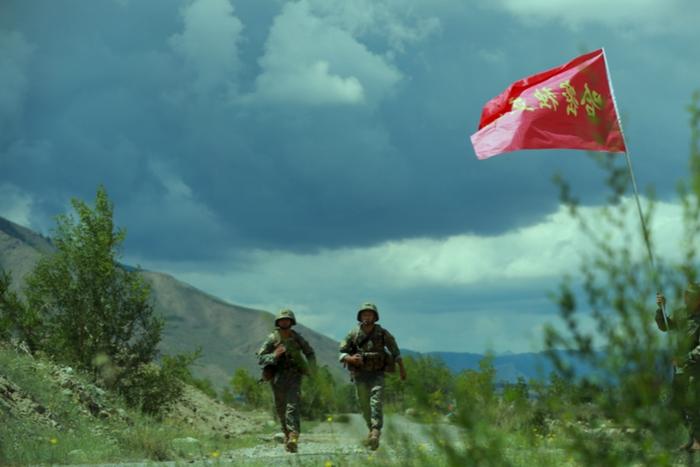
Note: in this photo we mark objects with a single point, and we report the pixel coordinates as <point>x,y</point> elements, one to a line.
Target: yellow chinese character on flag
<point>519,103</point>
<point>570,96</point>
<point>547,98</point>
<point>592,100</point>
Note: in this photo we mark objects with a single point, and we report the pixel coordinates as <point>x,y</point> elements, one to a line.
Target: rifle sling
<point>364,340</point>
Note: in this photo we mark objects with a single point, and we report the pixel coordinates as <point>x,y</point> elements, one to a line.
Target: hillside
<point>229,335</point>
<point>54,415</point>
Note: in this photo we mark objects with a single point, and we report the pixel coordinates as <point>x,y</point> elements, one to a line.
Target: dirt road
<point>335,444</point>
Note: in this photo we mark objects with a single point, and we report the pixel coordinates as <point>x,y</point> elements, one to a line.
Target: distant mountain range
<point>228,334</point>
<point>508,367</point>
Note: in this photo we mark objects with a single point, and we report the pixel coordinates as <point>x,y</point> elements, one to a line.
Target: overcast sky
<point>315,153</point>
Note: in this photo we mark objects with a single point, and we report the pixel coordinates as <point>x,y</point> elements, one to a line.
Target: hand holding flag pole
<point>571,106</point>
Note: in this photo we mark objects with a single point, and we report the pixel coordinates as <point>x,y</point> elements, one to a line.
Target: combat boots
<point>292,441</point>
<point>373,440</point>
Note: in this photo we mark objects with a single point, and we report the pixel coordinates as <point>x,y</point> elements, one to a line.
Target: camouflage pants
<point>370,391</point>
<point>286,388</point>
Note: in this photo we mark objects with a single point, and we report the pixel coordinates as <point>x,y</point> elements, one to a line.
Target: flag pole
<point>645,231</point>
<point>639,207</point>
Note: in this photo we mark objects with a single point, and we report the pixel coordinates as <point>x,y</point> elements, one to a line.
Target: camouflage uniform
<point>369,377</point>
<point>289,368</point>
<point>685,395</point>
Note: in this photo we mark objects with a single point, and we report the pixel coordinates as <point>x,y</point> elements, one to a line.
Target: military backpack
<point>291,357</point>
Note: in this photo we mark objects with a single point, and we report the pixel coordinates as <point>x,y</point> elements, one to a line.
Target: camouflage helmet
<point>370,307</point>
<point>285,313</point>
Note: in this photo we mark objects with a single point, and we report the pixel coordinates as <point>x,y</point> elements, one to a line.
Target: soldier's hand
<point>402,373</point>
<point>279,350</point>
<point>354,360</point>
<point>660,299</point>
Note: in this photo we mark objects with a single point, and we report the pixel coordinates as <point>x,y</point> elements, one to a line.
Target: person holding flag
<point>572,106</point>
<point>685,394</point>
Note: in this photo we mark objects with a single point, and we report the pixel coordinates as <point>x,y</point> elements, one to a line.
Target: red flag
<point>567,107</point>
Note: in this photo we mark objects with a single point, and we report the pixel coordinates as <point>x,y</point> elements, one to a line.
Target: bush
<point>245,386</point>
<point>428,387</point>
<point>319,395</point>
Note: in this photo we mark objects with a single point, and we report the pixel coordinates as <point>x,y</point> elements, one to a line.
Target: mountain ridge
<point>228,334</point>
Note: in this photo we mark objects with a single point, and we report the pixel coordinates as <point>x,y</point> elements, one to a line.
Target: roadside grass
<point>55,428</point>
<point>31,438</point>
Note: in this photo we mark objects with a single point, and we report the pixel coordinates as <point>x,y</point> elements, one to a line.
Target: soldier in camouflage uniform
<point>368,351</point>
<point>685,395</point>
<point>281,357</point>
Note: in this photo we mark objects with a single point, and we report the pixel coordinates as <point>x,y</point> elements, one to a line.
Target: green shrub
<point>84,309</point>
<point>251,392</point>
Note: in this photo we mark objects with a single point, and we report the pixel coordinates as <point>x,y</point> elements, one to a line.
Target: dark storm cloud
<point>272,137</point>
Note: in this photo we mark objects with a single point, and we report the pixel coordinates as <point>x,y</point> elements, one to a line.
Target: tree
<point>243,384</point>
<point>16,319</point>
<point>89,308</point>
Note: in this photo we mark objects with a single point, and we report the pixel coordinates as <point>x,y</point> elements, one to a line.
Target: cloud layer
<point>259,139</point>
<point>488,283</point>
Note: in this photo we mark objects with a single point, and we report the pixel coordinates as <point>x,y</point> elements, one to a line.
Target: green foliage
<point>77,437</point>
<point>517,394</point>
<point>322,394</point>
<point>155,388</point>
<point>205,385</point>
<point>84,309</point>
<point>87,304</point>
<point>246,386</point>
<point>179,366</point>
<point>16,318</point>
<point>428,385</point>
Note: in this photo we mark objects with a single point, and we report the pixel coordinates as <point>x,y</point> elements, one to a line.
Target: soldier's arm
<point>693,357</point>
<point>392,346</point>
<point>307,350</point>
<point>347,346</point>
<point>661,324</point>
<point>265,354</point>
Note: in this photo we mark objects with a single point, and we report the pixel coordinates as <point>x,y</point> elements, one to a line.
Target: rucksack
<point>269,371</point>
